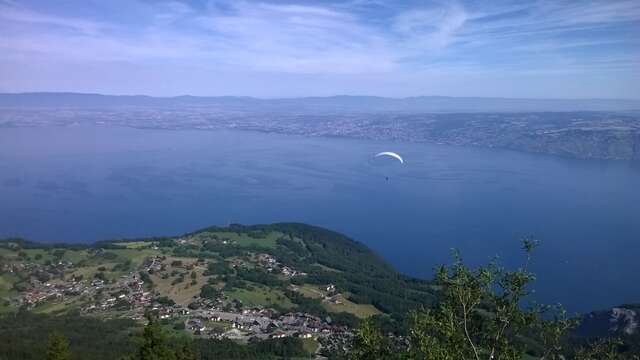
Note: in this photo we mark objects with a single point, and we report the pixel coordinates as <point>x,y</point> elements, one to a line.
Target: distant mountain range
<point>356,104</point>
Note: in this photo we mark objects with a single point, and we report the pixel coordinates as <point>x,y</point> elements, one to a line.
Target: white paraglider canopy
<point>392,154</point>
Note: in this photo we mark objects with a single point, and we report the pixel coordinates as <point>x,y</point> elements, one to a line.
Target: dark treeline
<point>24,336</point>
<point>102,244</point>
<point>28,336</point>
<point>268,349</point>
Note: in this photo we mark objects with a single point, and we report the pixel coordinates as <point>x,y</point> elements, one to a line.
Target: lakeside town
<point>576,134</point>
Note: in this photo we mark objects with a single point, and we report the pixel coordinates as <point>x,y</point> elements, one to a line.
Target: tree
<point>154,343</point>
<point>209,292</point>
<point>58,348</point>
<point>185,352</point>
<point>479,315</point>
<point>370,343</point>
<point>601,349</point>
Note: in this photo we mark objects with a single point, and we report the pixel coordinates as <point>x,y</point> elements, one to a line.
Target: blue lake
<point>82,184</point>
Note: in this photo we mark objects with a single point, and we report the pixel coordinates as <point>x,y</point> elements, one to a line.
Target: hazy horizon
<point>337,95</point>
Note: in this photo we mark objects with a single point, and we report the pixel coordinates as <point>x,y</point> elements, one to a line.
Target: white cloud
<point>296,39</point>
<point>11,13</point>
<point>354,38</point>
<point>429,29</point>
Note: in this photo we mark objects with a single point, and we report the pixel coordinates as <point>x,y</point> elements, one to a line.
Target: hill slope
<point>242,283</point>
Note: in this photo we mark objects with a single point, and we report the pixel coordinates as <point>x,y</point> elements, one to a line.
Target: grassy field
<point>326,268</point>
<point>185,260</point>
<point>242,239</point>
<point>181,293</point>
<point>41,252</point>
<point>134,244</point>
<point>75,256</point>
<point>220,325</point>
<point>359,310</point>
<point>58,307</point>
<point>88,272</point>
<point>311,291</point>
<point>136,256</point>
<point>342,304</point>
<point>261,296</point>
<point>6,285</point>
<point>44,255</point>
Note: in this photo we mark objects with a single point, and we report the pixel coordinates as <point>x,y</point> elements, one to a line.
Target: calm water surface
<point>88,183</point>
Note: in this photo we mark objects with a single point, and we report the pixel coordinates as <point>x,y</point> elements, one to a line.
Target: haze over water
<point>81,184</point>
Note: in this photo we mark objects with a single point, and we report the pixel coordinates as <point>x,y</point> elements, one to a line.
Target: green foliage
<point>107,255</point>
<point>326,256</point>
<point>22,335</point>
<point>144,276</point>
<point>286,348</point>
<point>100,275</point>
<point>186,352</point>
<point>601,349</point>
<point>552,332</point>
<point>155,345</point>
<point>209,292</point>
<point>314,307</point>
<point>456,329</point>
<point>165,301</point>
<point>361,272</point>
<point>218,268</point>
<point>370,343</point>
<point>123,266</point>
<point>479,315</point>
<point>178,280</point>
<point>259,276</point>
<point>58,348</point>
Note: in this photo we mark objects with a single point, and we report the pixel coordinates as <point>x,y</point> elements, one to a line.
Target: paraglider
<point>392,154</point>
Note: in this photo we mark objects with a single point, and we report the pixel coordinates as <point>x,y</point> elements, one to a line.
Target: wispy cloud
<point>430,29</point>
<point>356,38</point>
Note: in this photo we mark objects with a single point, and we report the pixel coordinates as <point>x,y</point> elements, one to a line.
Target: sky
<point>492,48</point>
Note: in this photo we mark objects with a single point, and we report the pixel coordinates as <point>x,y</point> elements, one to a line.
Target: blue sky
<point>550,49</point>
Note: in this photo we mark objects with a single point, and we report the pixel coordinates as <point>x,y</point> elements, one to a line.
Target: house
<point>278,335</point>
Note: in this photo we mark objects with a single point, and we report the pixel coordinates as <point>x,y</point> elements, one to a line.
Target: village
<point>132,295</point>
